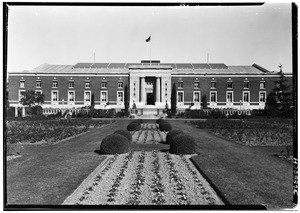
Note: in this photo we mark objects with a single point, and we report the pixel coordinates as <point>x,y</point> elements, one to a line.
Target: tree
<point>173,99</point>
<point>30,99</point>
<point>93,101</point>
<point>204,102</point>
<point>126,101</point>
<point>279,102</point>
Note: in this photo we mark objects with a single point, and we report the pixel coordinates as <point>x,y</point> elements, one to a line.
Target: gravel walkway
<point>163,179</point>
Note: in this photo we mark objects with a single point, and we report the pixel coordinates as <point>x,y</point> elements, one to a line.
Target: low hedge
<point>125,133</point>
<point>114,144</point>
<point>134,126</point>
<point>172,134</point>
<point>165,126</point>
<point>183,144</point>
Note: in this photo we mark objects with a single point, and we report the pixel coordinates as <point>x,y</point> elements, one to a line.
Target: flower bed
<point>47,130</point>
<point>257,137</point>
<point>244,124</point>
<point>146,178</point>
<point>268,132</point>
<point>149,134</point>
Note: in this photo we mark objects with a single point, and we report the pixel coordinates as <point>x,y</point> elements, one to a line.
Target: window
<point>246,85</point>
<point>229,97</point>
<point>196,85</point>
<point>87,96</point>
<point>87,84</point>
<point>196,96</point>
<point>213,96</point>
<point>213,85</point>
<point>246,96</point>
<point>120,96</point>
<point>262,85</point>
<point>104,84</point>
<point>38,92</point>
<point>22,84</point>
<point>103,97</point>
<point>229,85</point>
<point>21,94</point>
<point>54,96</point>
<point>180,97</point>
<point>54,84</point>
<point>262,96</point>
<point>38,84</point>
<point>180,85</point>
<point>71,84</point>
<point>71,96</point>
<point>120,84</point>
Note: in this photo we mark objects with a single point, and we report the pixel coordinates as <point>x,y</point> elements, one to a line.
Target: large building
<point>149,85</point>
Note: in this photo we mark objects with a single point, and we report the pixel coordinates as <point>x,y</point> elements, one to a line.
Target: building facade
<point>149,85</point>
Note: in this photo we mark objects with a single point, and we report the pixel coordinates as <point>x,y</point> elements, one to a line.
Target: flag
<point>148,39</point>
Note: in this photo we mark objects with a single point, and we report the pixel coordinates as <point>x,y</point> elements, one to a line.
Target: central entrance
<point>150,99</point>
<point>150,90</point>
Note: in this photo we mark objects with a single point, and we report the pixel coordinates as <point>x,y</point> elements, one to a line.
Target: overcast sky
<point>231,35</point>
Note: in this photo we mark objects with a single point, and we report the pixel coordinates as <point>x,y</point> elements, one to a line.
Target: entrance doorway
<point>150,99</point>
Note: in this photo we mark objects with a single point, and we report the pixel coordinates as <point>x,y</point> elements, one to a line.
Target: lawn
<point>47,174</point>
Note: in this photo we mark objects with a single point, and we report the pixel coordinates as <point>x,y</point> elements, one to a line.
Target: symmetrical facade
<point>149,85</point>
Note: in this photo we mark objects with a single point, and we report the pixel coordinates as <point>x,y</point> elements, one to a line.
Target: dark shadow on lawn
<point>98,151</point>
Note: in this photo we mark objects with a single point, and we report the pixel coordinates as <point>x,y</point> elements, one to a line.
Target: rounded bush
<point>125,133</point>
<point>158,121</point>
<point>172,134</point>
<point>133,126</point>
<point>114,144</point>
<point>136,121</point>
<point>182,144</point>
<point>165,126</point>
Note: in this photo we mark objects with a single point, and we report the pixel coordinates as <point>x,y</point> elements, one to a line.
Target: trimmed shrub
<point>182,144</point>
<point>133,126</point>
<point>172,134</point>
<point>125,133</point>
<point>158,121</point>
<point>114,144</point>
<point>140,121</point>
<point>136,121</point>
<point>165,126</point>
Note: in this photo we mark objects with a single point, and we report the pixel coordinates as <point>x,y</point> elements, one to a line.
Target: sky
<point>69,35</point>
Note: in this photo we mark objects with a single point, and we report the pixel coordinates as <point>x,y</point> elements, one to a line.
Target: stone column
<point>143,90</point>
<point>23,112</point>
<point>158,90</point>
<point>16,111</point>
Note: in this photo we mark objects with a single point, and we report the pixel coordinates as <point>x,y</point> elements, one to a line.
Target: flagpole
<point>150,48</point>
